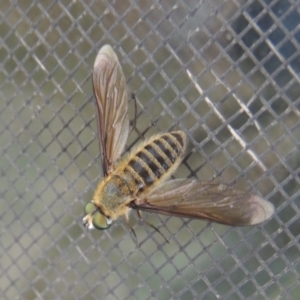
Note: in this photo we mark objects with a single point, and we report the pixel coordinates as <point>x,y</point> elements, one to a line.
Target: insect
<point>139,180</point>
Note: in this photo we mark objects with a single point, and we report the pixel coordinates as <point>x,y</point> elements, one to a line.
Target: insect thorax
<point>114,192</point>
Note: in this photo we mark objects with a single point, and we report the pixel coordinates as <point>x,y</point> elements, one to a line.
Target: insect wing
<point>206,200</point>
<point>112,106</point>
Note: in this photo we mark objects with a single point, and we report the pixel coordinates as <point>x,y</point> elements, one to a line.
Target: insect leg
<point>151,225</point>
<point>132,230</point>
<point>133,122</point>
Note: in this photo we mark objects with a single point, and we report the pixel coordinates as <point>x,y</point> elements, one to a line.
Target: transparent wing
<point>111,99</point>
<point>206,200</point>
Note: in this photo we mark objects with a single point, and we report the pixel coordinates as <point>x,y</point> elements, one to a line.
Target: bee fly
<point>139,180</point>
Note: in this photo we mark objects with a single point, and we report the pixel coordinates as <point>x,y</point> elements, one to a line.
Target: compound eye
<point>100,221</point>
<point>89,208</point>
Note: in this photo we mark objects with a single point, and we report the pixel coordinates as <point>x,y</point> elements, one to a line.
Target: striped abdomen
<point>154,161</point>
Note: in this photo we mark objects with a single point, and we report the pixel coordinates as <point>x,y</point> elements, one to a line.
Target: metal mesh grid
<point>225,72</point>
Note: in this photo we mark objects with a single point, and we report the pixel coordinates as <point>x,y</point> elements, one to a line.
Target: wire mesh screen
<point>224,72</point>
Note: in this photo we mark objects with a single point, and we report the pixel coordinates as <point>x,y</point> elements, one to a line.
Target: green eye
<point>100,221</point>
<point>89,208</point>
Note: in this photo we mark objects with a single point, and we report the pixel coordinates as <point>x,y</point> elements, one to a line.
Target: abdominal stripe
<point>179,138</point>
<point>141,171</point>
<point>138,181</point>
<point>145,156</point>
<point>168,138</point>
<point>162,144</point>
<point>161,160</point>
<point>154,160</point>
